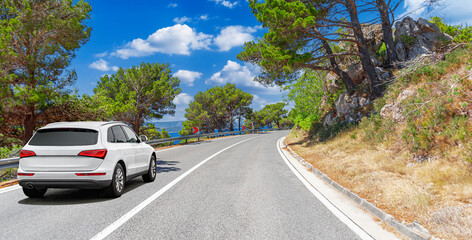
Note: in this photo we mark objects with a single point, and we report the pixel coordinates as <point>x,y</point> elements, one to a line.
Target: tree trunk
<point>137,122</point>
<point>348,83</point>
<point>367,64</point>
<point>29,124</point>
<point>239,120</point>
<point>231,128</point>
<point>387,32</point>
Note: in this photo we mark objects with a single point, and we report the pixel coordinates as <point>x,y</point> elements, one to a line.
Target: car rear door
<point>141,155</point>
<point>127,149</point>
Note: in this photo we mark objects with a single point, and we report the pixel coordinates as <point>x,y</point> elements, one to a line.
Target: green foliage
<point>216,108</point>
<point>376,129</point>
<point>271,114</point>
<point>38,40</point>
<point>461,34</point>
<point>150,131</point>
<point>381,53</point>
<point>6,152</point>
<point>137,94</point>
<point>322,133</point>
<point>408,40</point>
<point>290,43</point>
<point>311,99</point>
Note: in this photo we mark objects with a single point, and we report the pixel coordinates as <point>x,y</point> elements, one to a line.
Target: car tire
<point>150,176</point>
<point>35,192</point>
<point>117,182</point>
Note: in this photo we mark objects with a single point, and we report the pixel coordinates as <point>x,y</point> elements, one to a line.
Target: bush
<point>5,152</point>
<point>322,133</point>
<point>376,129</point>
<point>461,34</point>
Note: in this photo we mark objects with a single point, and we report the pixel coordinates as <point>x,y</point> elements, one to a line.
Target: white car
<point>84,155</point>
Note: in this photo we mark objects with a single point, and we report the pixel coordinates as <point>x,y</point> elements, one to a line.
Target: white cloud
<point>183,99</point>
<point>453,11</point>
<point>172,5</point>
<point>177,39</point>
<point>101,55</point>
<point>233,36</point>
<point>259,103</point>
<point>240,75</point>
<point>226,3</point>
<point>181,20</point>
<point>188,77</point>
<point>102,65</point>
<point>204,17</point>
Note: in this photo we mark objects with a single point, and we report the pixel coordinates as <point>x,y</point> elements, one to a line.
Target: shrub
<point>461,34</point>
<point>376,129</point>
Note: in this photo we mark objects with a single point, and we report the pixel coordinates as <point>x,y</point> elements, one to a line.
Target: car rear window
<point>64,137</point>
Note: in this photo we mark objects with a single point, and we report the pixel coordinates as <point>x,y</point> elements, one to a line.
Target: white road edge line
<point>336,212</point>
<point>8,189</point>
<point>107,231</point>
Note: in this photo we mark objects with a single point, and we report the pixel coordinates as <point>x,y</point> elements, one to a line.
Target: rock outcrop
<point>414,38</point>
<point>351,108</point>
<point>395,110</point>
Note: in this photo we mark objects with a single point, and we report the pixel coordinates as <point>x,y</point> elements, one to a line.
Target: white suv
<point>84,155</point>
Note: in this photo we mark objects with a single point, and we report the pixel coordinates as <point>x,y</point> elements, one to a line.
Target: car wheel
<point>152,171</point>
<point>35,192</point>
<point>117,182</point>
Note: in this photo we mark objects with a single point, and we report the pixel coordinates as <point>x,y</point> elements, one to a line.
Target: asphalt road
<point>243,192</point>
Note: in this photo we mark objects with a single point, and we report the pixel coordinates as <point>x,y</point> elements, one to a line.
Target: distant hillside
<point>171,127</point>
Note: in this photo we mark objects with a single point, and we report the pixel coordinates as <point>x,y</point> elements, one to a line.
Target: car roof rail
<point>112,122</point>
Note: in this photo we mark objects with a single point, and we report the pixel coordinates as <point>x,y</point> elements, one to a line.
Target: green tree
<point>137,94</point>
<point>153,133</point>
<point>300,36</point>
<point>293,43</point>
<point>311,99</point>
<point>216,108</point>
<point>272,113</point>
<point>43,38</point>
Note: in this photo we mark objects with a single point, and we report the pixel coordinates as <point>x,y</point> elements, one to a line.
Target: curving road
<point>230,188</point>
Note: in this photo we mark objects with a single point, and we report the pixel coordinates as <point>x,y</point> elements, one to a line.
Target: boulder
<point>356,72</point>
<point>395,110</point>
<point>329,119</point>
<point>415,38</point>
<point>351,108</point>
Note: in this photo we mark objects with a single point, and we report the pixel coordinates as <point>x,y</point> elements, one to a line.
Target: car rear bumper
<point>65,179</point>
<point>57,183</point>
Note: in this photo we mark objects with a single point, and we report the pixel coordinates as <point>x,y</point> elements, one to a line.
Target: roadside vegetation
<point>401,137</point>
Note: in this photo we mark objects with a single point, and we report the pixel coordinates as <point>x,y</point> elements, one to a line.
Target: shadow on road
<point>78,196</point>
<point>163,166</point>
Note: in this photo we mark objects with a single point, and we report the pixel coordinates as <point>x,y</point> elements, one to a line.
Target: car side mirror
<point>143,138</point>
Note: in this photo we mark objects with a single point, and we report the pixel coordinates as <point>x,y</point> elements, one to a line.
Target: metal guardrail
<point>9,162</point>
<point>13,162</point>
<point>197,136</point>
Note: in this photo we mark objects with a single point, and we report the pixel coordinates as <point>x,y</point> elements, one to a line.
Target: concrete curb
<point>8,183</point>
<point>413,230</point>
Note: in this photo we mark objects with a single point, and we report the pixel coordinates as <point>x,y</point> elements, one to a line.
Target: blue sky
<point>199,39</point>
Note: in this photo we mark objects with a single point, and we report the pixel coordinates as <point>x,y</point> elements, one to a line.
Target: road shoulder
<point>351,210</point>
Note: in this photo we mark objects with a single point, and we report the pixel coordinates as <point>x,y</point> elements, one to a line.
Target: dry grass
<point>436,193</point>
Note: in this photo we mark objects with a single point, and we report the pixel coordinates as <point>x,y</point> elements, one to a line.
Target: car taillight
<point>26,153</point>
<point>99,153</point>
<point>25,174</point>
<point>91,174</point>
